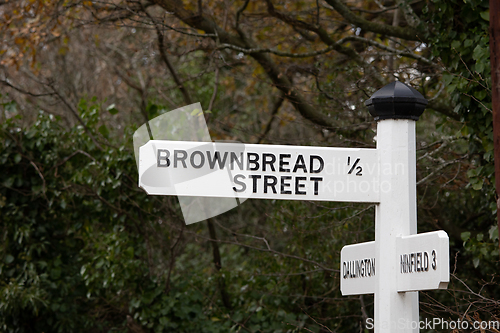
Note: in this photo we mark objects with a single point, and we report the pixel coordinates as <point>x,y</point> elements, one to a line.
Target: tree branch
<point>218,263</point>
<point>276,106</point>
<point>164,57</point>
<point>412,19</point>
<point>384,29</point>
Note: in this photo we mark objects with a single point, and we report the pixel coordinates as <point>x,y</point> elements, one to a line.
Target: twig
<point>75,114</point>
<point>8,84</point>
<point>216,85</point>
<point>43,179</point>
<point>276,106</point>
<point>439,168</point>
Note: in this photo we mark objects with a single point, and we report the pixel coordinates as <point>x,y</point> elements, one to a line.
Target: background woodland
<point>83,249</point>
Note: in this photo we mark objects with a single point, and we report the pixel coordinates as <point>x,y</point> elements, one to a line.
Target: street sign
<point>358,269</point>
<point>423,261</point>
<point>236,170</point>
<point>395,265</point>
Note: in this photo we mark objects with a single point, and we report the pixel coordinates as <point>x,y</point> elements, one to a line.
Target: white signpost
<point>397,264</point>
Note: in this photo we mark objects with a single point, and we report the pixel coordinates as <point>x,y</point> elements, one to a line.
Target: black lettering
<point>242,184</point>
<point>216,158</point>
<point>434,265</point>
<point>316,180</point>
<point>283,184</point>
<point>202,159</point>
<point>254,161</point>
<point>299,186</point>
<point>181,159</point>
<point>269,162</point>
<point>344,266</point>
<point>271,184</point>
<point>284,163</point>
<point>419,261</point>
<point>426,261</point>
<point>300,164</point>
<point>160,157</point>
<point>235,158</point>
<point>255,177</point>
<point>311,164</point>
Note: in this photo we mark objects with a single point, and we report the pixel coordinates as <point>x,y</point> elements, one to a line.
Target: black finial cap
<point>396,101</point>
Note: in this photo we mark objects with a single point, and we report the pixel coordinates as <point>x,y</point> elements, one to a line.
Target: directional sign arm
<point>423,261</point>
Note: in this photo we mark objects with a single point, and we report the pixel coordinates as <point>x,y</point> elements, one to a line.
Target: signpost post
<point>397,264</point>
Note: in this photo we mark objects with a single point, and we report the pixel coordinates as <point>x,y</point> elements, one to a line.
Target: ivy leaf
<point>104,130</point>
<point>479,185</point>
<point>112,109</point>
<point>8,259</point>
<point>485,15</point>
<point>475,261</point>
<point>493,232</point>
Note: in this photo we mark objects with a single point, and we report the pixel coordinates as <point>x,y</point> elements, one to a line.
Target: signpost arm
<point>396,107</point>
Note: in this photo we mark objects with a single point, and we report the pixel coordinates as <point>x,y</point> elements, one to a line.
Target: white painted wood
<point>423,261</point>
<point>358,269</point>
<point>395,216</point>
<point>347,174</point>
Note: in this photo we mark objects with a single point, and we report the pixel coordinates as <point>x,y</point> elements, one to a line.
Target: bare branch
<point>75,114</point>
<point>405,33</point>
<point>412,19</point>
<point>8,84</point>
<point>238,13</point>
<point>387,48</point>
<point>276,106</point>
<point>276,52</point>
<point>216,85</point>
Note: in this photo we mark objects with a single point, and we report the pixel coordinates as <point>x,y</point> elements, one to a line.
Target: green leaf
<point>485,15</point>
<point>472,173</point>
<point>479,67</point>
<point>104,130</point>
<point>479,185</point>
<point>8,259</point>
<point>464,131</point>
<point>493,232</point>
<point>112,109</point>
<point>479,53</point>
<point>465,235</point>
<point>9,182</point>
<point>475,261</point>
<point>17,158</point>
